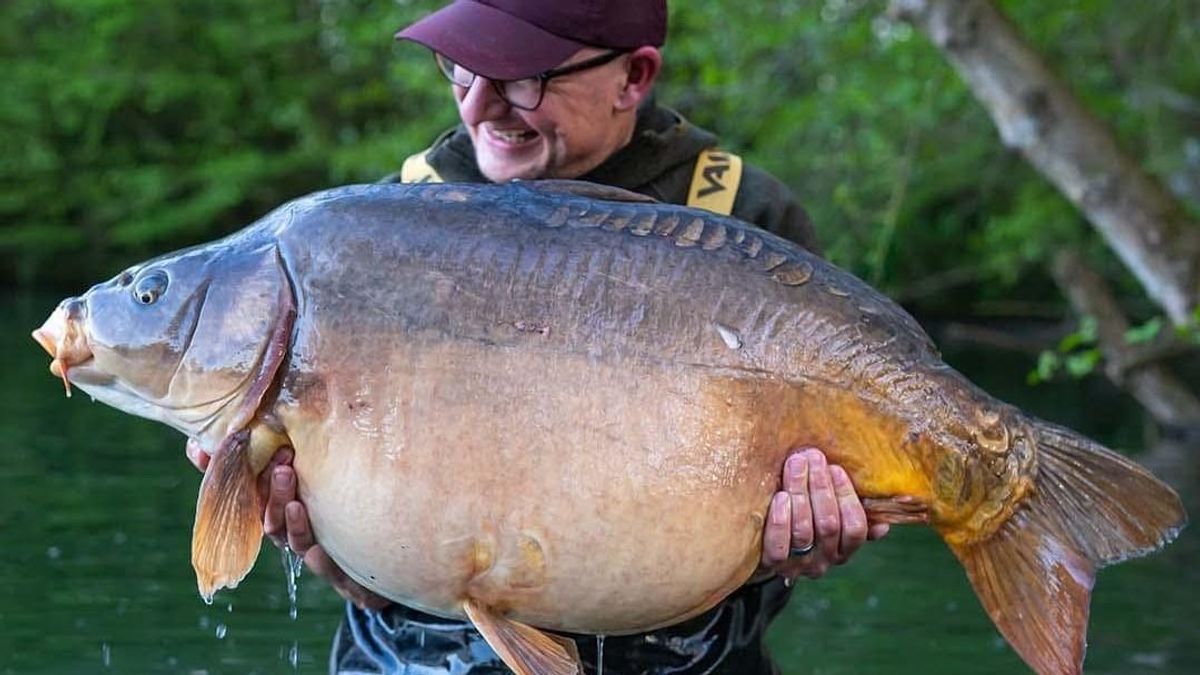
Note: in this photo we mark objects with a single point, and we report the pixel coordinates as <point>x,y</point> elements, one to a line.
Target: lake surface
<point>96,513</point>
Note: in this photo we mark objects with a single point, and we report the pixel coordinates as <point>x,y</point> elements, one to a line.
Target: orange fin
<point>1036,591</point>
<point>895,510</point>
<point>1034,576</point>
<point>525,649</point>
<point>228,531</point>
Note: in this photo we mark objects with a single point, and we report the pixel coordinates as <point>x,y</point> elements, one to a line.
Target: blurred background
<point>131,128</point>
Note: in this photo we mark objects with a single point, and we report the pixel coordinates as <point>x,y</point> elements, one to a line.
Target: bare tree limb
<point>1164,395</point>
<point>1037,114</point>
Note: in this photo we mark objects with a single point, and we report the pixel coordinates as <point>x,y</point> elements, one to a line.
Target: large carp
<point>556,406</point>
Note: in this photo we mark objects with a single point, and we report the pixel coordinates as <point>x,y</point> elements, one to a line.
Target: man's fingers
<point>282,457</point>
<point>796,483</point>
<point>196,455</point>
<point>281,492</point>
<point>853,517</point>
<point>777,535</point>
<point>827,520</point>
<point>299,531</point>
<point>878,531</point>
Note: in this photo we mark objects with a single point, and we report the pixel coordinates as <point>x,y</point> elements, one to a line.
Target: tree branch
<point>1164,395</point>
<point>1038,115</point>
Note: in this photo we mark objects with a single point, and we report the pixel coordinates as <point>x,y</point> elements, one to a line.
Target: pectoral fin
<point>525,649</point>
<point>228,531</point>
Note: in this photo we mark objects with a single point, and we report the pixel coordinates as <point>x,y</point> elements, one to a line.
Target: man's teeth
<point>512,136</point>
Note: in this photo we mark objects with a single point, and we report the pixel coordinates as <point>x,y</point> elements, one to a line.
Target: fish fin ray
<point>525,649</point>
<point>1090,507</point>
<point>1036,592</point>
<point>1109,507</point>
<point>895,510</point>
<point>227,535</point>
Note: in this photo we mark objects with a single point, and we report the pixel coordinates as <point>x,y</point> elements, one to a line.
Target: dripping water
<point>599,655</point>
<point>292,565</point>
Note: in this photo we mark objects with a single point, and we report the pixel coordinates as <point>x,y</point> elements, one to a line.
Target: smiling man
<point>563,89</point>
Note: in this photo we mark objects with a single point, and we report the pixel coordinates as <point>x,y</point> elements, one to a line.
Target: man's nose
<point>480,103</point>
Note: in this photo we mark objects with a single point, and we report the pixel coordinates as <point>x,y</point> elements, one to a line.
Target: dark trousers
<point>726,640</point>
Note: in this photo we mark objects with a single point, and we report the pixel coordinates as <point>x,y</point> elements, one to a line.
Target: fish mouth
<point>63,338</point>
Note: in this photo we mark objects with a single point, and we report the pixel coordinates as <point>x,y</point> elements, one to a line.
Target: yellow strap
<point>416,169</point>
<point>715,181</point>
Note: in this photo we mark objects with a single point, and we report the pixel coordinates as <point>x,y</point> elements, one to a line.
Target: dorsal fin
<point>583,188</point>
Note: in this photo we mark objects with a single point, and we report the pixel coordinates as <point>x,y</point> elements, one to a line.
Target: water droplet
<point>292,566</point>
<point>106,654</point>
<point>53,552</point>
<point>730,336</point>
<point>221,630</point>
<point>599,655</point>
<point>294,655</point>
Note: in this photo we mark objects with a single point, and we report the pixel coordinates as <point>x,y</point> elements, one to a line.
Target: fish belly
<point>575,494</point>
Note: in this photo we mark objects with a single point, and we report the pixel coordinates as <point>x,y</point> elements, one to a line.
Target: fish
<point>553,406</point>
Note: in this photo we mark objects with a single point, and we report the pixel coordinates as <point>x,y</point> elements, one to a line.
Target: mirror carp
<point>554,406</point>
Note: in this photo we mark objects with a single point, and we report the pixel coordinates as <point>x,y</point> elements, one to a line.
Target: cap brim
<point>489,42</point>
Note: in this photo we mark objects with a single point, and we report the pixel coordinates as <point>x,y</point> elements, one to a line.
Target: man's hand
<point>816,521</point>
<point>285,521</point>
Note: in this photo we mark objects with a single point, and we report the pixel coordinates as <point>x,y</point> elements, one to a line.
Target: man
<point>562,89</point>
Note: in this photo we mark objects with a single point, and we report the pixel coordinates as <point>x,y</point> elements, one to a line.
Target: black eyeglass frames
<point>526,93</point>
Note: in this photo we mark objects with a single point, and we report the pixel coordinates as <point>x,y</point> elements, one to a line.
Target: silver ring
<point>797,552</point>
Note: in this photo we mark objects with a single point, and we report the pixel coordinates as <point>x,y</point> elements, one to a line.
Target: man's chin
<point>503,170</point>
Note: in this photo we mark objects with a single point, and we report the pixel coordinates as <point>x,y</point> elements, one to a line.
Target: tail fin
<point>1091,507</point>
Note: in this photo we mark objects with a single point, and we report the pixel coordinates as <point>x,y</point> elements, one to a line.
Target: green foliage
<point>1145,332</point>
<point>133,128</point>
<point>1078,353</point>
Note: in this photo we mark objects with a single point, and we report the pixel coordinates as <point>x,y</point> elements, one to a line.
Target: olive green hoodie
<point>658,162</point>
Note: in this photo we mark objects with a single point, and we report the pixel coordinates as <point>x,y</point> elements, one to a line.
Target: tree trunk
<point>1164,395</point>
<point>1037,114</point>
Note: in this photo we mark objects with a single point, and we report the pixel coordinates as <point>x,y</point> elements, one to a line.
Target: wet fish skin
<point>533,407</point>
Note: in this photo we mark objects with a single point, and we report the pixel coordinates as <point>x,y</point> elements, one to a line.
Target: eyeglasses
<point>526,93</point>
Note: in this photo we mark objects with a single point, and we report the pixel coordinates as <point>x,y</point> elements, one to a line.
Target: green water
<point>95,521</point>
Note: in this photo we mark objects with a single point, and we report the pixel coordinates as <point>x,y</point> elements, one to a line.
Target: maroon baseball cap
<point>514,39</point>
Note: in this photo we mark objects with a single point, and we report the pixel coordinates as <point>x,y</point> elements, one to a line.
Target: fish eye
<point>150,287</point>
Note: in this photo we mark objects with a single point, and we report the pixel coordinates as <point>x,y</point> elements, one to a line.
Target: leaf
<point>1047,365</point>
<point>1085,336</point>
<point>1082,364</point>
<point>1145,332</point>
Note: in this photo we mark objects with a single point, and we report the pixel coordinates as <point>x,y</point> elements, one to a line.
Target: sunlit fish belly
<point>502,475</point>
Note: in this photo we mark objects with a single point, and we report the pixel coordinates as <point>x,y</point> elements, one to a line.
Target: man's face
<point>576,127</point>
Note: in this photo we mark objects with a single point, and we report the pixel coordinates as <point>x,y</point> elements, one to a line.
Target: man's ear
<point>641,70</point>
